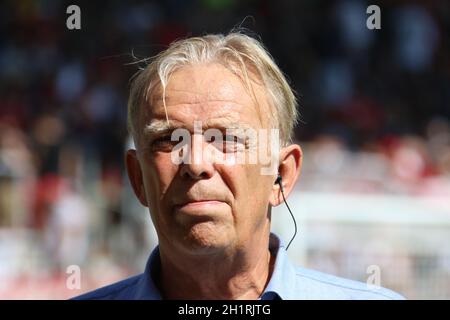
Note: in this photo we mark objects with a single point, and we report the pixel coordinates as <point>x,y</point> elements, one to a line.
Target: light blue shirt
<point>287,283</point>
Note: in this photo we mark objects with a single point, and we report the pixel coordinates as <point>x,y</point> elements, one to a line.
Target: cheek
<point>159,174</point>
<point>164,167</point>
<point>235,179</point>
<point>254,176</point>
<point>250,189</point>
<point>259,186</point>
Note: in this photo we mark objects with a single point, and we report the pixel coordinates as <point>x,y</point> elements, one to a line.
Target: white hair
<point>238,52</point>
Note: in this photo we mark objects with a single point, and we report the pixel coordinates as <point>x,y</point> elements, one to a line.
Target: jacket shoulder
<point>320,285</point>
<point>124,289</point>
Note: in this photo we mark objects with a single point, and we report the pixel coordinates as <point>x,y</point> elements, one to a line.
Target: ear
<point>135,175</point>
<point>290,167</point>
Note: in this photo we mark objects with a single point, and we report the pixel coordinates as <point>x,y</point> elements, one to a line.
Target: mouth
<point>198,203</point>
<point>197,206</point>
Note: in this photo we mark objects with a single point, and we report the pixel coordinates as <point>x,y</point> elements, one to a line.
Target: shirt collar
<point>281,284</point>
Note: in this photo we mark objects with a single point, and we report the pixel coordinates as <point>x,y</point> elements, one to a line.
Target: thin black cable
<point>293,218</point>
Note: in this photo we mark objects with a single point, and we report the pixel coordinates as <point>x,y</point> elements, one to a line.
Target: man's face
<point>204,205</point>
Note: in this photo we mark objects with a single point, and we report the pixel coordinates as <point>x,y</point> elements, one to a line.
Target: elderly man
<point>210,195</point>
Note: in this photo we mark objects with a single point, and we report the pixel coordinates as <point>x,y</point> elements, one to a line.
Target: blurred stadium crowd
<point>375,107</point>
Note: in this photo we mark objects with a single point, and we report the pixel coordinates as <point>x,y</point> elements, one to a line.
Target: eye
<point>232,143</point>
<point>162,139</point>
<point>229,138</point>
<point>163,143</point>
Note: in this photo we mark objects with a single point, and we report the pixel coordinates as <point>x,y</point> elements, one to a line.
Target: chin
<point>206,238</point>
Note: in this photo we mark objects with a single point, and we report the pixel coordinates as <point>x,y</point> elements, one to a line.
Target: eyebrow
<point>157,126</point>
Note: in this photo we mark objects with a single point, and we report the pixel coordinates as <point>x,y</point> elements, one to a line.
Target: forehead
<point>208,92</point>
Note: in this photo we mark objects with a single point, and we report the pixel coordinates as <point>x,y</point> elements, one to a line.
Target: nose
<point>197,164</point>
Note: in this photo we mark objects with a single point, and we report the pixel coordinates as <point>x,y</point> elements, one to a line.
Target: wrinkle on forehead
<point>188,86</point>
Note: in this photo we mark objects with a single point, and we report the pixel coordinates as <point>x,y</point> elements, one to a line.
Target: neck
<point>240,274</point>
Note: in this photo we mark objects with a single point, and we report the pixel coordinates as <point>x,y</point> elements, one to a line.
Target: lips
<point>197,207</point>
<point>203,202</point>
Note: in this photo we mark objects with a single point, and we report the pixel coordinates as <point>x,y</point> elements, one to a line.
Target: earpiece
<point>279,181</point>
